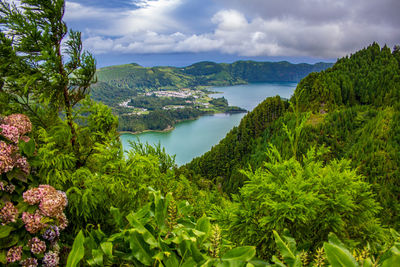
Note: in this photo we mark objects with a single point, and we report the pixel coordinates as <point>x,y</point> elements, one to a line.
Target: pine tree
<point>44,74</point>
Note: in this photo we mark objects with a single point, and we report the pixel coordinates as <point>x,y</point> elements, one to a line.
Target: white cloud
<point>145,15</point>
<point>76,11</point>
<point>318,28</point>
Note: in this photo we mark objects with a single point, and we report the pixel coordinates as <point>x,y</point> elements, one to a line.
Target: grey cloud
<point>313,28</point>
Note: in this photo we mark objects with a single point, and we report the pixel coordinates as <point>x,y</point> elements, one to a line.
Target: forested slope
<point>354,112</point>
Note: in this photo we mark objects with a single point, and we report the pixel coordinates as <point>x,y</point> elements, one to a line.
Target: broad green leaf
<point>77,251</point>
<point>284,249</point>
<point>28,148</point>
<point>245,253</point>
<point>189,262</point>
<point>97,258</point>
<point>368,263</point>
<point>259,263</point>
<point>277,261</point>
<point>196,254</point>
<point>333,239</point>
<point>159,256</point>
<point>339,257</point>
<point>172,260</point>
<point>5,230</point>
<point>107,248</point>
<point>391,257</point>
<point>3,257</point>
<point>147,236</point>
<point>203,225</point>
<point>118,219</point>
<point>139,249</point>
<point>393,260</point>
<point>158,208</point>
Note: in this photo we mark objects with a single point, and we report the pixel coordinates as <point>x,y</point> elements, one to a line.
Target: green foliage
<point>333,252</point>
<point>158,119</point>
<point>40,77</point>
<point>309,198</point>
<point>161,234</point>
<point>224,160</point>
<point>287,249</point>
<point>77,251</point>
<point>370,76</point>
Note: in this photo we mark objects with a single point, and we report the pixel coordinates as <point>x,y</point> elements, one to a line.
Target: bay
<point>191,139</point>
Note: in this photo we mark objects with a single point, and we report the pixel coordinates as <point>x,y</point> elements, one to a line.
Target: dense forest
<point>310,181</point>
<point>160,119</point>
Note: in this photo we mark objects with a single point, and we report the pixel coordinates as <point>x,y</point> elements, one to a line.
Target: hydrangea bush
<point>31,218</point>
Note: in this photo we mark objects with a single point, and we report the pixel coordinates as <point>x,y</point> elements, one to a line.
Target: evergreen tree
<point>43,73</point>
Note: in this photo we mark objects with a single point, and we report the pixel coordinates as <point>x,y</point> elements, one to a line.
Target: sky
<point>182,32</point>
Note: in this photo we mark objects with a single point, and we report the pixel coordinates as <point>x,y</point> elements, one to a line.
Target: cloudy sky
<point>180,32</point>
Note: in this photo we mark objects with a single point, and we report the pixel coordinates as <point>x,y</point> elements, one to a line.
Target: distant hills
<point>117,83</point>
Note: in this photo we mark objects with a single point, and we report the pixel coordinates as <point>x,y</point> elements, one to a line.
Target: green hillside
<point>363,126</point>
<point>116,83</point>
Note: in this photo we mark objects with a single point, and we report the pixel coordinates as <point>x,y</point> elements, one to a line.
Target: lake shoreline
<point>193,138</point>
<point>168,129</point>
<point>171,128</point>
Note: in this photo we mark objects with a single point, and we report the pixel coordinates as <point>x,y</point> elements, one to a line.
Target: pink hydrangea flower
<point>8,213</point>
<point>51,259</point>
<point>37,246</point>
<point>23,164</point>
<point>14,254</point>
<point>33,222</point>
<point>46,189</point>
<point>6,159</point>
<point>53,204</point>
<point>62,221</point>
<point>20,121</point>
<point>33,196</point>
<point>29,262</point>
<point>10,132</point>
<point>10,188</point>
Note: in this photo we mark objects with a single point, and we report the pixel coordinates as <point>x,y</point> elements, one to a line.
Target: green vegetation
<point>117,83</point>
<point>133,83</point>
<point>313,170</point>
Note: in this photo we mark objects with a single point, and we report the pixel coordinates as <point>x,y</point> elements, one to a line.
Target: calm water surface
<point>191,139</point>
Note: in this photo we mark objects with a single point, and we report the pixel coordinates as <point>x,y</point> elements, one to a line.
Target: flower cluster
<point>51,259</point>
<point>8,213</point>
<point>52,233</point>
<point>51,202</point>
<point>6,157</point>
<point>29,262</point>
<point>19,121</point>
<point>37,246</point>
<point>13,128</point>
<point>10,132</point>
<point>43,222</point>
<point>14,254</point>
<point>33,222</point>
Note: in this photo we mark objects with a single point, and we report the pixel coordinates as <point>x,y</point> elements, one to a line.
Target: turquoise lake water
<point>191,139</point>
